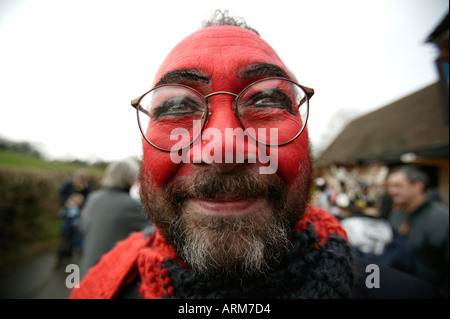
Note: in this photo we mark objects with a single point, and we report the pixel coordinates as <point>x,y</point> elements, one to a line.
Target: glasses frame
<point>309,92</point>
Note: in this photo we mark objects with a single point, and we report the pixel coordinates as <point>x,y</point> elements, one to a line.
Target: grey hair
<point>412,174</point>
<point>121,174</point>
<point>219,17</point>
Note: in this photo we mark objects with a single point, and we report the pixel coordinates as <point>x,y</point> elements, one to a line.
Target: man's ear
<point>419,187</point>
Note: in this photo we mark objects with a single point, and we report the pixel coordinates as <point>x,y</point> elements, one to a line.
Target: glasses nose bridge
<point>233,104</point>
<point>220,92</point>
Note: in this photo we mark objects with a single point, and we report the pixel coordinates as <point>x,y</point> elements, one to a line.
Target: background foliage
<point>29,204</point>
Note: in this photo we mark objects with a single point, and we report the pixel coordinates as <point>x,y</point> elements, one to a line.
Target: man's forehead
<point>227,48</point>
<point>399,176</point>
<point>222,37</point>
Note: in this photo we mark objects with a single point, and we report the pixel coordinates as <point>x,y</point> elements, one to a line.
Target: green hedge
<point>28,212</point>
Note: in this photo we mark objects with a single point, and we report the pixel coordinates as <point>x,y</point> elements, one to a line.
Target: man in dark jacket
<point>424,222</point>
<point>226,178</point>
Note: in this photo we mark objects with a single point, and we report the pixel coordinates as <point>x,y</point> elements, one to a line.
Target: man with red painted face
<point>226,178</point>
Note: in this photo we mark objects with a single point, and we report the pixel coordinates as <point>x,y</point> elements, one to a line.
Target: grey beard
<point>231,247</point>
<point>227,246</point>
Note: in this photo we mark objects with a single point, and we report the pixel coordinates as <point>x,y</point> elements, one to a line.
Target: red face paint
<point>221,54</point>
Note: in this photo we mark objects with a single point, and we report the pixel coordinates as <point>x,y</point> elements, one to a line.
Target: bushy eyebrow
<point>262,70</point>
<point>184,76</point>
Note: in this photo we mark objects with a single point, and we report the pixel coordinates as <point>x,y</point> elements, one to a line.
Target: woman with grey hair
<point>121,174</point>
<point>110,213</point>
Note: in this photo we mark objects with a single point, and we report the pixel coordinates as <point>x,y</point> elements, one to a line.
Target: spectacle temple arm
<point>135,104</point>
<point>309,93</point>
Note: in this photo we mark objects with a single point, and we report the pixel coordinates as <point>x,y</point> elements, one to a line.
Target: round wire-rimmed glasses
<point>273,111</point>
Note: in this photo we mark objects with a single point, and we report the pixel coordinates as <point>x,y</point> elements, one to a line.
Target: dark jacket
<point>393,284</point>
<point>109,216</point>
<point>429,238</point>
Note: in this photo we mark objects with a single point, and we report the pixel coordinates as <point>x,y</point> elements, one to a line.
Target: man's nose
<point>224,141</point>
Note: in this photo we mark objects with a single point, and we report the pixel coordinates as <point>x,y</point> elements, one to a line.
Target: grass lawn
<point>19,160</point>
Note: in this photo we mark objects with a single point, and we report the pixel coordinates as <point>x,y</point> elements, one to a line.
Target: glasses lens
<point>273,111</point>
<point>170,117</point>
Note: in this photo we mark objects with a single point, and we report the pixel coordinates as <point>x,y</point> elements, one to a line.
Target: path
<point>38,279</point>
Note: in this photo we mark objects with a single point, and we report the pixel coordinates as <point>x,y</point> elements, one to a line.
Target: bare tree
<point>334,127</point>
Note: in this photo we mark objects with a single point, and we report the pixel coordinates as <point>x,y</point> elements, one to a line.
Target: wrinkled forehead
<point>219,51</point>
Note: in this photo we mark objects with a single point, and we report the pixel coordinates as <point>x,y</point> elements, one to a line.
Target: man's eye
<point>273,98</point>
<point>266,102</point>
<point>176,106</point>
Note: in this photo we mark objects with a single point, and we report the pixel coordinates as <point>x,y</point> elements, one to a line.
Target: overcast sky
<point>69,68</point>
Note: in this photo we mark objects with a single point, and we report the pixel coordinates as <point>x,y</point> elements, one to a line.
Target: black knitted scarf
<point>309,270</point>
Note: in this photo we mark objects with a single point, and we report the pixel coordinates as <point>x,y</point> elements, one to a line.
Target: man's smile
<point>225,205</point>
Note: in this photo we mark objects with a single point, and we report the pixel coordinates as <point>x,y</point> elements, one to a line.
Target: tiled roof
<point>416,123</point>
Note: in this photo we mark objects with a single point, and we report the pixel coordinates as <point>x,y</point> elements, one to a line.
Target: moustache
<point>242,183</point>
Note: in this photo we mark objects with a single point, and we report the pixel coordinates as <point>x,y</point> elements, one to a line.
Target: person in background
<point>372,236</point>
<point>110,213</point>
<point>423,221</point>
<point>71,235</point>
<point>79,183</point>
<point>322,195</point>
<point>72,190</point>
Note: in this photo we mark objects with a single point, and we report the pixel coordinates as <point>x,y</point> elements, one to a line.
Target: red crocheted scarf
<point>145,255</point>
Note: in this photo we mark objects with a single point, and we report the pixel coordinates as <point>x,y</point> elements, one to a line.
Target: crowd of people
<point>394,219</point>
<point>93,221</point>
